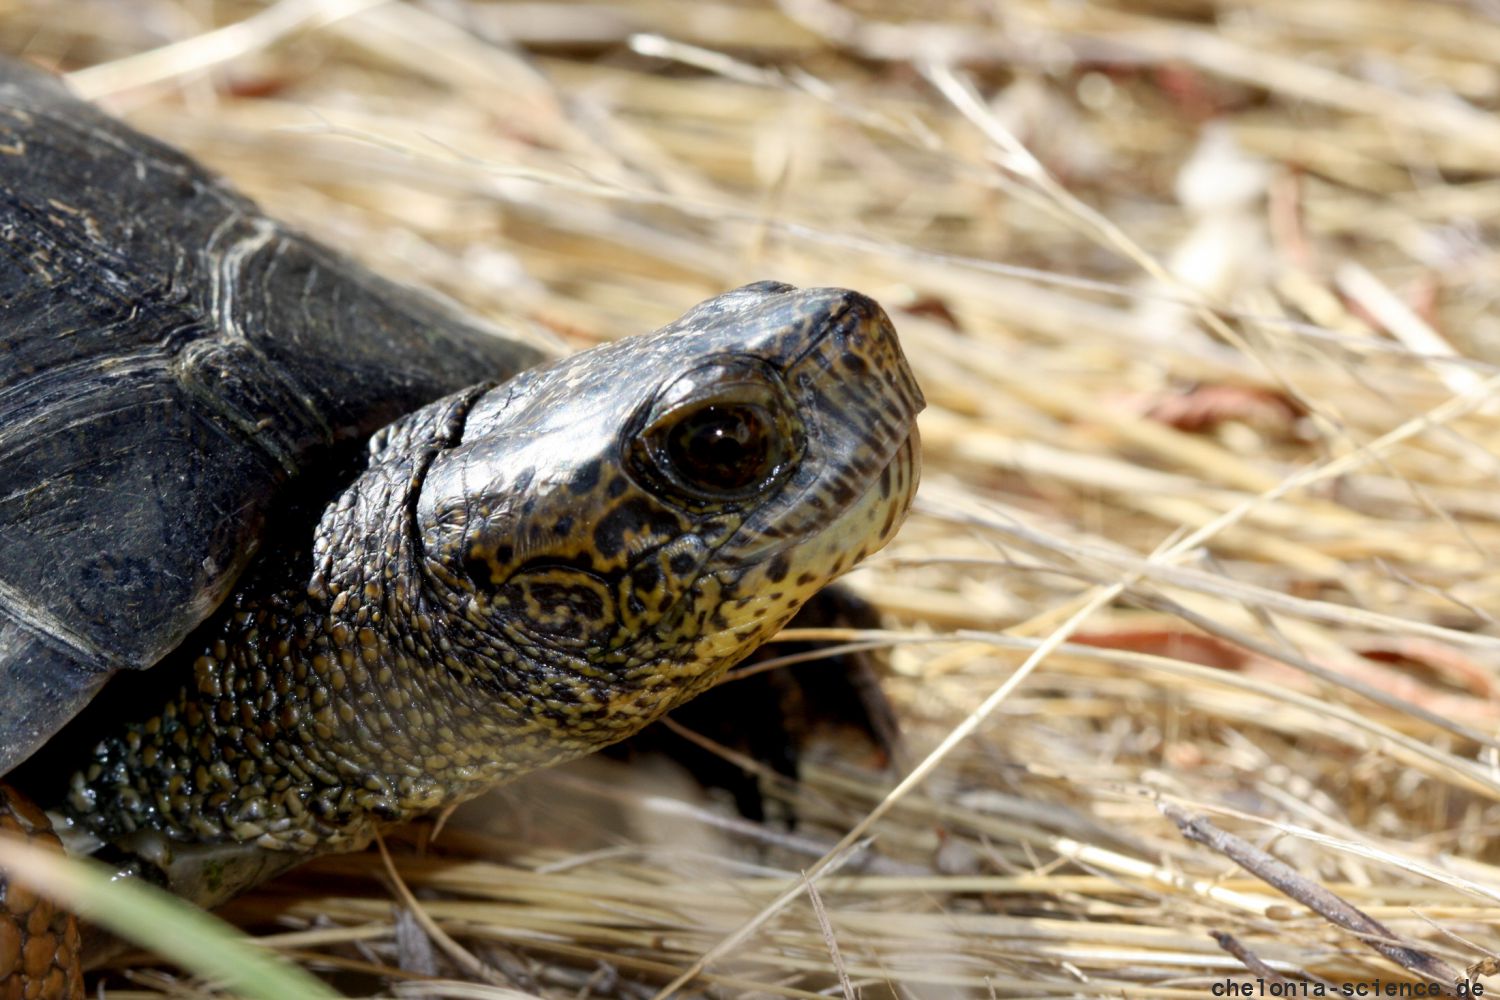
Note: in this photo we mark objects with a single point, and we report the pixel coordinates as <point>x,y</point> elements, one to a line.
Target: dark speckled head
<point>625,524</point>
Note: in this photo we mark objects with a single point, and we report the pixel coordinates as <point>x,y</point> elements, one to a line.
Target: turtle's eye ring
<point>724,448</point>
<point>720,433</point>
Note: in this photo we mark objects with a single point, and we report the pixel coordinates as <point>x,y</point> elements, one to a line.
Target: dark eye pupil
<point>723,448</point>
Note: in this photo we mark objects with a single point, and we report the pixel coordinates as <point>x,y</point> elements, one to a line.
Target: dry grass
<point>1203,297</point>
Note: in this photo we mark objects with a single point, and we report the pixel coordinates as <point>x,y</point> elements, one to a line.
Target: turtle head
<point>617,528</point>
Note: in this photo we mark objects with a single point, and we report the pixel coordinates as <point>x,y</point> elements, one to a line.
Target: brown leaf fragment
<point>1204,407</point>
<point>1176,644</point>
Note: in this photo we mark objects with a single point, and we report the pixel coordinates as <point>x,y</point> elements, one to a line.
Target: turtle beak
<point>853,487</point>
<point>859,401</point>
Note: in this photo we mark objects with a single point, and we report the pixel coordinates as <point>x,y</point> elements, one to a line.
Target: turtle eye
<point>724,448</point>
<point>719,433</point>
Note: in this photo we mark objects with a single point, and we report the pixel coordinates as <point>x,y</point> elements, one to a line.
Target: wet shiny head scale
<point>623,525</point>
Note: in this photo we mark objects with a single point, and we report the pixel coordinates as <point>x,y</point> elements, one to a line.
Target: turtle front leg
<point>39,944</point>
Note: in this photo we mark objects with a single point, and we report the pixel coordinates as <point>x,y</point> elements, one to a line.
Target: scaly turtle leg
<point>39,944</point>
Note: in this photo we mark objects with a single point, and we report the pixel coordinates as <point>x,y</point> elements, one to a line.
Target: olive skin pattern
<point>289,551</point>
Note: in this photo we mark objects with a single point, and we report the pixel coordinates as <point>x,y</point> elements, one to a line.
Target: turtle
<point>292,551</point>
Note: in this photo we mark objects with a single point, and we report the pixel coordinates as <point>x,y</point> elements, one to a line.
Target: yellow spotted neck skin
<point>519,575</point>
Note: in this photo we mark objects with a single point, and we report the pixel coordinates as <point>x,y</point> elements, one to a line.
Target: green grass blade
<point>146,916</point>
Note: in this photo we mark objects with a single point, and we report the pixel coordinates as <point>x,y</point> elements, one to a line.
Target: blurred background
<point>1200,587</point>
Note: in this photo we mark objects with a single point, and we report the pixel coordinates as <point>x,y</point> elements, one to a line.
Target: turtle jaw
<point>757,600</point>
